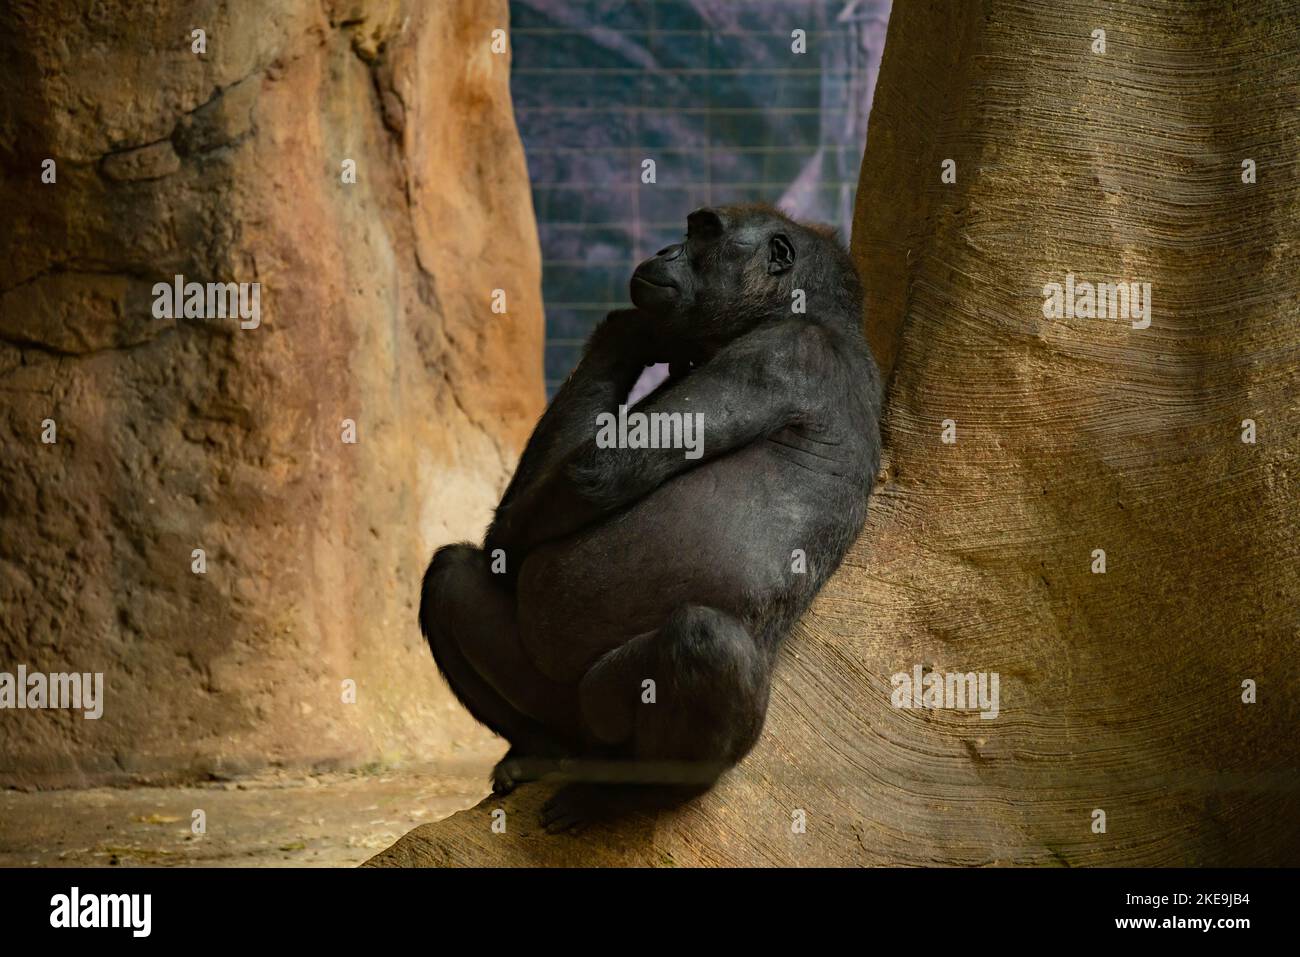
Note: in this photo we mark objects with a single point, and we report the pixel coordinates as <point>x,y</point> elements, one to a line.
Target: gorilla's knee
<point>718,679</point>
<point>451,559</point>
<point>695,691</point>
<point>441,589</point>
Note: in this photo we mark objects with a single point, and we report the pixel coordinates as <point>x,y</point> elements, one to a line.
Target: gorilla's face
<point>728,269</point>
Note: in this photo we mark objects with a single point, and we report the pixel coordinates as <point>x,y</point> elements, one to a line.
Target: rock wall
<point>1124,692</point>
<point>171,435</point>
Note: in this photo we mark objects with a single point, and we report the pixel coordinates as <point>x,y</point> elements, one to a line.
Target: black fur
<point>626,565</point>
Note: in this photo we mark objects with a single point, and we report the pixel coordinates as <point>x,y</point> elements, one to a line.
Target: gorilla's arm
<point>616,353</point>
<point>750,389</point>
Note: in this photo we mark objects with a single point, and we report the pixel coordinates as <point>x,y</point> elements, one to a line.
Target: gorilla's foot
<point>505,777</point>
<point>577,806</point>
<point>532,761</point>
<point>574,807</point>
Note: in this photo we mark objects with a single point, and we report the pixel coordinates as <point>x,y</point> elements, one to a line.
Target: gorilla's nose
<point>670,252</point>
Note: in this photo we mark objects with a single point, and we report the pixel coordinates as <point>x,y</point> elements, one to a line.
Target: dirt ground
<point>280,820</point>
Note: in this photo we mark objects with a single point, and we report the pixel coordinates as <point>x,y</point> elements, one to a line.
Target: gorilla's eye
<point>705,224</point>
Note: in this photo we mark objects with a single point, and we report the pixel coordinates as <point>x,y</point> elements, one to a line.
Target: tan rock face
<point>1119,692</point>
<point>184,434</point>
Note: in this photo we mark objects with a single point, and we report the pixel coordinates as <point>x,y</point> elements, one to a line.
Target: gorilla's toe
<point>571,809</point>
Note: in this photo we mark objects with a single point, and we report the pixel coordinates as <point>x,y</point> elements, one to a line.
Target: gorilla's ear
<point>780,254</point>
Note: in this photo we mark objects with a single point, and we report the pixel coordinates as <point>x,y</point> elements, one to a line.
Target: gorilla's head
<point>738,267</point>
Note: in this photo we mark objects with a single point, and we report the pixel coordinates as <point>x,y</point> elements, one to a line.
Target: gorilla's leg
<point>702,714</point>
<point>708,700</point>
<point>469,622</point>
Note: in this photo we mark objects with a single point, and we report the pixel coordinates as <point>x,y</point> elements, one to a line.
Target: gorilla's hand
<point>630,334</point>
<point>551,508</point>
<point>623,334</point>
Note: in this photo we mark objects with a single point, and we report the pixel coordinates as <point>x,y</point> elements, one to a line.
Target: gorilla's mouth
<point>651,282</point>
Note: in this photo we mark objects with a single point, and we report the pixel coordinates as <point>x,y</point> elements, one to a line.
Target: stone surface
<point>1119,692</point>
<point>174,435</point>
<point>272,819</point>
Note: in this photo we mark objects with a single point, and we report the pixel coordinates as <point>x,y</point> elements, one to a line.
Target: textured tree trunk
<point>227,164</point>
<point>1120,692</point>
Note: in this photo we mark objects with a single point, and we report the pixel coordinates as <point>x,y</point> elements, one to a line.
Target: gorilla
<point>620,624</point>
